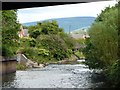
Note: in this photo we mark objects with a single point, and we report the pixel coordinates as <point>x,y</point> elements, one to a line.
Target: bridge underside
<point>12,4</point>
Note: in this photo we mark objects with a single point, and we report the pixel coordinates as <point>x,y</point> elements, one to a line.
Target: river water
<point>54,76</point>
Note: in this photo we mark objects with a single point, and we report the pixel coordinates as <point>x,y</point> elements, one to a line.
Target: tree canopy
<point>47,42</point>
<point>102,46</point>
<point>10,28</point>
<point>45,27</point>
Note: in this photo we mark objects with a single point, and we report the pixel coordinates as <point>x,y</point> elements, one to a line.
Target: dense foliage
<point>10,28</point>
<point>47,43</point>
<point>46,27</point>
<point>102,46</point>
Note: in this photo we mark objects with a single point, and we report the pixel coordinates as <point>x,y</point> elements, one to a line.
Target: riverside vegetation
<point>48,42</point>
<point>102,50</point>
<point>9,38</point>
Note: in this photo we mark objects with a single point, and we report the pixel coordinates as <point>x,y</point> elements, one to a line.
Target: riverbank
<point>72,60</point>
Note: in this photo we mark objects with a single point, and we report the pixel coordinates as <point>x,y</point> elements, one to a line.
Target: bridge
<point>7,65</point>
<point>13,4</point>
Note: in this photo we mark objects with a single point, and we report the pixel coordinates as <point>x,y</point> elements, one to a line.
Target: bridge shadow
<point>8,80</point>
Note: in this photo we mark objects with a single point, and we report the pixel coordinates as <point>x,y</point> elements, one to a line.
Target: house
<point>23,32</point>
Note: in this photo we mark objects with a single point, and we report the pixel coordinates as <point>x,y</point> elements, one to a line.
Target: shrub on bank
<point>20,67</point>
<point>102,50</point>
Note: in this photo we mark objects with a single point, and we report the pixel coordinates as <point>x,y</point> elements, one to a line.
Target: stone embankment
<point>23,60</point>
<point>30,64</point>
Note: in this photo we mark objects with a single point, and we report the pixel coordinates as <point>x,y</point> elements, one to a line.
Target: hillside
<point>69,24</point>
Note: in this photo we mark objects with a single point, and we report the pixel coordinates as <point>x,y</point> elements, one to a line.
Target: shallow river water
<point>54,76</point>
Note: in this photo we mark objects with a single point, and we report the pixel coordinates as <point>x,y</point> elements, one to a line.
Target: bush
<point>113,74</point>
<point>103,42</point>
<point>54,44</point>
<point>20,67</point>
<point>47,43</point>
<point>79,54</point>
<point>102,46</point>
<point>9,28</point>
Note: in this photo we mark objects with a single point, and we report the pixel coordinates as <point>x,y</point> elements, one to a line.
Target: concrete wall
<point>22,59</point>
<point>8,66</point>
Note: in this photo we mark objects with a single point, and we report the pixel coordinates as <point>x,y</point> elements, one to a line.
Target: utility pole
<point>69,28</point>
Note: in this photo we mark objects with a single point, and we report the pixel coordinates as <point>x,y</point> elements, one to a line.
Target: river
<point>54,76</point>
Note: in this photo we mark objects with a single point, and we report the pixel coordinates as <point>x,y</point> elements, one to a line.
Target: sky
<point>62,11</point>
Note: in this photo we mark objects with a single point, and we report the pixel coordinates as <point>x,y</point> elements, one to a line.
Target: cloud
<point>61,11</point>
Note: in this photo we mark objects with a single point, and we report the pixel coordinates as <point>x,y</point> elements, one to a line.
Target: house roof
<point>77,36</point>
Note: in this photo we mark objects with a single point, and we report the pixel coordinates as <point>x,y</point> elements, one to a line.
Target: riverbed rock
<point>38,66</point>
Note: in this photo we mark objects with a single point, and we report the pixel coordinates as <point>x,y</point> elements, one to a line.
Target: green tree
<point>10,28</point>
<point>104,37</point>
<point>45,27</point>
<point>69,41</point>
<point>35,33</point>
<point>102,46</point>
<point>47,43</point>
<point>54,44</point>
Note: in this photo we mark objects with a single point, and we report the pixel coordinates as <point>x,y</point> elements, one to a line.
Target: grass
<point>20,67</point>
<point>79,54</point>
